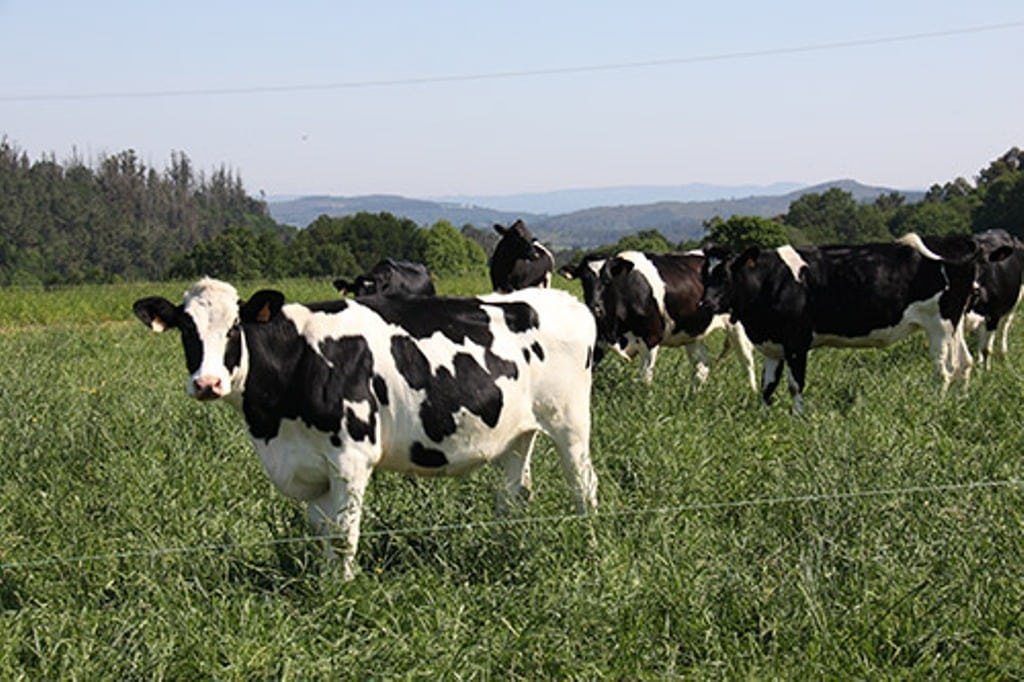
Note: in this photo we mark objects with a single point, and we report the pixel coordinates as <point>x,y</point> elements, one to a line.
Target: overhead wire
<point>496,75</point>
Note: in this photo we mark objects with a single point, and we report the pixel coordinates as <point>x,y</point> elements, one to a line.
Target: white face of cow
<point>210,332</point>
<point>213,307</point>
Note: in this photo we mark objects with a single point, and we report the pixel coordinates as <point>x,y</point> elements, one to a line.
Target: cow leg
<point>648,356</point>
<point>745,349</point>
<point>796,362</point>
<point>336,515</point>
<point>700,359</point>
<point>517,485</point>
<point>1003,331</point>
<point>771,377</point>
<point>949,352</point>
<point>572,438</point>
<point>987,332</point>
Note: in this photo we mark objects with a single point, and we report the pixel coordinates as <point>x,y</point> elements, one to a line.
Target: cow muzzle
<point>208,388</point>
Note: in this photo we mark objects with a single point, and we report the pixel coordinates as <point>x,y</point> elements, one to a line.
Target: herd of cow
<point>399,379</point>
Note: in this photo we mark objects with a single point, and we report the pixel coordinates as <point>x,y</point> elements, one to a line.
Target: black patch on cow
<point>526,355</point>
<point>538,350</point>
<point>335,440</point>
<point>470,386</point>
<point>411,362</point>
<point>519,317</point>
<point>289,380</point>
<point>590,358</point>
<point>459,319</point>
<point>423,456</point>
<point>500,367</point>
<point>233,349</point>
<point>357,428</point>
<point>193,344</point>
<point>380,389</point>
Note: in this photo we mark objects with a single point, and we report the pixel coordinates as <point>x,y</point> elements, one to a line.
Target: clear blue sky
<point>353,98</point>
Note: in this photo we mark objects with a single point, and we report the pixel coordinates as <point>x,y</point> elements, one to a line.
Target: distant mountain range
<point>583,218</point>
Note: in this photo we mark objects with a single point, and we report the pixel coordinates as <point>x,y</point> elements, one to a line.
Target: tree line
<point>995,200</point>
<point>117,219</point>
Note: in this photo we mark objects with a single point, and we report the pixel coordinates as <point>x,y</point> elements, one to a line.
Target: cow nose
<point>207,388</point>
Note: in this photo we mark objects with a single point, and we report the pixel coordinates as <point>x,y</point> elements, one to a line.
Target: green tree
<point>449,252</point>
<point>738,232</point>
<point>835,217</point>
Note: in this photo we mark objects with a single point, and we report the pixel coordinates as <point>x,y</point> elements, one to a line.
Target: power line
<point>497,75</point>
<point>814,498</point>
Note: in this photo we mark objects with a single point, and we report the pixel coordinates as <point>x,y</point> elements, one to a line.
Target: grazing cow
<point>331,391</point>
<point>790,300</point>
<point>519,260</point>
<point>390,277</point>
<point>643,301</point>
<point>999,290</point>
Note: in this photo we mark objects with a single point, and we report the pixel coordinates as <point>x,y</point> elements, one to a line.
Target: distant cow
<point>434,386</point>
<point>390,277</point>
<point>793,299</point>
<point>999,289</point>
<point>519,260</point>
<point>643,301</point>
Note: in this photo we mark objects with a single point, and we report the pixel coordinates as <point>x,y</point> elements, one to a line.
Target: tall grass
<point>880,535</point>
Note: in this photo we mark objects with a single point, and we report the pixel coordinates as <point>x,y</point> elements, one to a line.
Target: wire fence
<point>815,498</point>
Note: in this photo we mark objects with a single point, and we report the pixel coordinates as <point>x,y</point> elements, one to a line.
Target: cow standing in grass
<point>645,301</point>
<point>434,386</point>
<point>519,260</point>
<point>791,300</point>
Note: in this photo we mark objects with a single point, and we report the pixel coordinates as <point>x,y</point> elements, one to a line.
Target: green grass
<point>874,537</point>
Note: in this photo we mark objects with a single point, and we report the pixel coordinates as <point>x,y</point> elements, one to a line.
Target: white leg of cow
<point>745,349</point>
<point>770,378</point>
<point>517,485</point>
<point>949,352</point>
<point>986,340</point>
<point>572,438</point>
<point>1003,331</point>
<point>337,514</point>
<point>700,359</point>
<point>648,356</point>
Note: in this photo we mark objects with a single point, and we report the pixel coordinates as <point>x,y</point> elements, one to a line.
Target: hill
<point>602,223</point>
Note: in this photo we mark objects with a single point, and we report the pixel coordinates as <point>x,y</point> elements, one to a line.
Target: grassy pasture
<point>881,535</point>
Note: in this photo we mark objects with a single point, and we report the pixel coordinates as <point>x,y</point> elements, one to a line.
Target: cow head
<point>517,241</point>
<point>586,271</point>
<point>716,274</point>
<point>211,320</point>
<point>624,307</point>
<point>360,286</point>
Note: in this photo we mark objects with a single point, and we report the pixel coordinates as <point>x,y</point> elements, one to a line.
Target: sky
<point>439,98</point>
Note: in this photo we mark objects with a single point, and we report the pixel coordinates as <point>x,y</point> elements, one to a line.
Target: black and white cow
<point>434,386</point>
<point>790,300</point>
<point>519,260</point>
<point>999,290</point>
<point>586,271</point>
<point>643,301</point>
<point>390,277</point>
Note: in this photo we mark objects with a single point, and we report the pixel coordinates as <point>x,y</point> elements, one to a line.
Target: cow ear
<point>342,285</point>
<point>619,266</point>
<point>567,271</point>
<point>1002,253</point>
<point>157,313</point>
<point>749,256</point>
<point>501,229</point>
<point>262,307</point>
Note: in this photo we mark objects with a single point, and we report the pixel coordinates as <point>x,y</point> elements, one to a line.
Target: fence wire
<point>814,498</point>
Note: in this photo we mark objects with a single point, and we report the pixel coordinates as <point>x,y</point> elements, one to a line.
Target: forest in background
<point>119,220</point>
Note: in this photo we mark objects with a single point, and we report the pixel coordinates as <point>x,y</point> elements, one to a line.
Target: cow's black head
<point>717,277</point>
